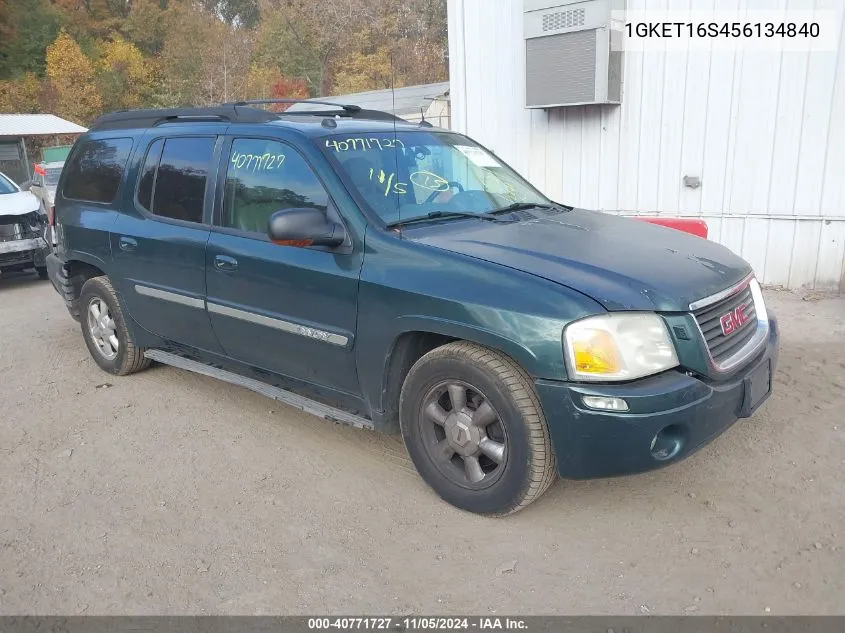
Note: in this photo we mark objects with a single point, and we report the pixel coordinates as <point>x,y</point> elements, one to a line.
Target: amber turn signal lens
<point>596,352</point>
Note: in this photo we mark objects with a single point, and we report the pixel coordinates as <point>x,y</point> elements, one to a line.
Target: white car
<point>22,224</point>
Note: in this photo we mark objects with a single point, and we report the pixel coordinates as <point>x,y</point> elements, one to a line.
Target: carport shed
<point>15,128</point>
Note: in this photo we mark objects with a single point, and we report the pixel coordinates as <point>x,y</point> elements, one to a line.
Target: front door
<point>159,243</point>
<point>288,310</point>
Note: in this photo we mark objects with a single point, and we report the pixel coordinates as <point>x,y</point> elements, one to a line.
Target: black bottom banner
<point>528,624</point>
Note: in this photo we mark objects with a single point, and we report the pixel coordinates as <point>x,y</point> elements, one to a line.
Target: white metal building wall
<point>764,132</point>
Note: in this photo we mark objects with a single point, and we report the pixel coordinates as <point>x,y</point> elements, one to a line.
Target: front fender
<point>474,333</point>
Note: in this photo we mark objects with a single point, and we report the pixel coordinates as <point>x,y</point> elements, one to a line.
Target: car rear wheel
<point>105,332</point>
<point>474,428</point>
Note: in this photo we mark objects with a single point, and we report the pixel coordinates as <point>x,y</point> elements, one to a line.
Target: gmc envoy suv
<point>401,277</point>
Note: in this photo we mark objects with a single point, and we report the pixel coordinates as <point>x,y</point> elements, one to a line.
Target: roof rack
<point>127,119</point>
<point>236,112</point>
<point>352,109</point>
<point>341,110</point>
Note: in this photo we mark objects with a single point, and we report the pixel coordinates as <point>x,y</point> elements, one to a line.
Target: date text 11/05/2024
<point>418,624</point>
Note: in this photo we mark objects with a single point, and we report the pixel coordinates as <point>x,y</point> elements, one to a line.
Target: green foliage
<point>146,25</point>
<point>125,78</point>
<point>27,27</point>
<point>79,58</point>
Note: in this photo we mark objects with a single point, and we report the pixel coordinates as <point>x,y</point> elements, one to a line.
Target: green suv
<point>401,277</point>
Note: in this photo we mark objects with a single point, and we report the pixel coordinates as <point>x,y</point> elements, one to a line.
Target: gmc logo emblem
<point>733,320</point>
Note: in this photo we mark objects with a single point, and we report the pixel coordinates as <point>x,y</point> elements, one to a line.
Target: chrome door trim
<point>172,297</point>
<point>279,324</point>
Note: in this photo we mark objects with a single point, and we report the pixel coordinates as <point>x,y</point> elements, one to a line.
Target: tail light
<point>51,215</point>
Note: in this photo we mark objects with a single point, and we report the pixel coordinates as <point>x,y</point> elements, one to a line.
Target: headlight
<point>618,346</point>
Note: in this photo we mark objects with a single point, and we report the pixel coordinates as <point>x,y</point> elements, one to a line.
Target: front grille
<point>20,227</point>
<point>709,320</point>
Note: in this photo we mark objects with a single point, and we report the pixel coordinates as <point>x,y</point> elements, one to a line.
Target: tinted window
<point>148,173</point>
<point>263,177</point>
<point>95,171</point>
<point>177,186</point>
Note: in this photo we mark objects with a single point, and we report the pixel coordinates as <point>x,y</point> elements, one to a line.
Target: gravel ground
<point>167,492</point>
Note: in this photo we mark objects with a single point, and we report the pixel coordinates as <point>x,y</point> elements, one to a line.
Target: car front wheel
<point>474,428</point>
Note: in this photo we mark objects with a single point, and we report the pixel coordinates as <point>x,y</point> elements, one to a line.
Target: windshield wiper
<point>523,206</point>
<point>437,215</point>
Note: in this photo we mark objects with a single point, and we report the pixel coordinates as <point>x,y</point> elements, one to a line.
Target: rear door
<point>288,310</point>
<point>159,243</point>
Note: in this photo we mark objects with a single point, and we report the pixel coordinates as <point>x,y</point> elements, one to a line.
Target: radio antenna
<point>395,149</point>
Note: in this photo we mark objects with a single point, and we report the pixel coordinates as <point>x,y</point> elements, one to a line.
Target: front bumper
<point>26,252</point>
<point>671,416</point>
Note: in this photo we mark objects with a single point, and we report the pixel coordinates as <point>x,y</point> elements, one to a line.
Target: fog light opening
<point>668,442</point>
<point>605,403</point>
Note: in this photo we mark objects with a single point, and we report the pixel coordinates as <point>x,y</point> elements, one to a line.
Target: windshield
<point>7,186</point>
<point>418,173</point>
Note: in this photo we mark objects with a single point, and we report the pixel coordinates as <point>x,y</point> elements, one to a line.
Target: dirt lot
<point>167,492</point>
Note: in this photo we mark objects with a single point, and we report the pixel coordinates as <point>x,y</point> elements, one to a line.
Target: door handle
<point>225,263</point>
<point>128,244</point>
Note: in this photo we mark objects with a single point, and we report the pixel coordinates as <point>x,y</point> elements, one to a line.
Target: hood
<point>623,264</point>
<point>19,203</point>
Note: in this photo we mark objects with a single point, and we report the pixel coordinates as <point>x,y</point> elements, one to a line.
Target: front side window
<point>411,174</point>
<point>173,177</point>
<point>95,171</point>
<point>265,176</point>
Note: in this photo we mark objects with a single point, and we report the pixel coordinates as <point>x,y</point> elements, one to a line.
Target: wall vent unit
<point>569,59</point>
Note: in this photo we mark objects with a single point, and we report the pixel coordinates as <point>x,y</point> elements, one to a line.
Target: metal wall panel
<point>764,133</point>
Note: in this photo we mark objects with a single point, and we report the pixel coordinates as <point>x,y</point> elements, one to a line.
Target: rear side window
<point>172,180</point>
<point>95,171</point>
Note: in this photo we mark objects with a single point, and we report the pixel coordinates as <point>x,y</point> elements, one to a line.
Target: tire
<point>42,272</point>
<point>514,456</point>
<point>128,358</point>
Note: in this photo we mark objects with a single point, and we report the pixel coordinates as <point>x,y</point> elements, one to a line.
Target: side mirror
<point>304,227</point>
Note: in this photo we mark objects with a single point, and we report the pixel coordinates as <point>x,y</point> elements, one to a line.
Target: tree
<point>204,61</point>
<point>304,38</point>
<point>20,95</point>
<point>26,29</point>
<point>237,13</point>
<point>147,25</point>
<point>124,77</point>
<point>286,88</point>
<point>108,54</point>
<point>71,80</point>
